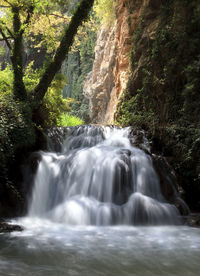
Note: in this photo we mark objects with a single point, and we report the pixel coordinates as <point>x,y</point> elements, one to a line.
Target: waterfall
<point>97,177</point>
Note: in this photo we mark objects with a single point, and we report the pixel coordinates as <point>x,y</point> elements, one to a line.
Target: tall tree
<point>15,18</point>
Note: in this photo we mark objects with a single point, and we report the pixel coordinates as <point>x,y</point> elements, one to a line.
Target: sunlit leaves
<point>48,28</point>
<point>84,31</point>
<point>47,21</point>
<point>105,10</point>
<point>6,80</point>
<point>43,19</point>
<point>69,120</point>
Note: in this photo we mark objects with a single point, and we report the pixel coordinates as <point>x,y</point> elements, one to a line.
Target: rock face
<point>111,66</point>
<point>168,183</point>
<point>100,84</point>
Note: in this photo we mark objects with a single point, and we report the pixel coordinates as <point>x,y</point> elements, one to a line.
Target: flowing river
<point>96,208</point>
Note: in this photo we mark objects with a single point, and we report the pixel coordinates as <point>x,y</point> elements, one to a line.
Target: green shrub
<point>16,128</point>
<point>53,104</point>
<point>68,120</point>
<point>163,91</point>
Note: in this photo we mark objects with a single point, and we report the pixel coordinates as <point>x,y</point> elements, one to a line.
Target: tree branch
<point>5,38</point>
<point>59,16</point>
<point>2,39</point>
<point>10,33</point>
<point>10,5</point>
<point>7,2</point>
<point>8,30</point>
<point>29,15</point>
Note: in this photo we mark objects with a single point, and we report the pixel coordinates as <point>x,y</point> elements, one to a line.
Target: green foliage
<point>53,104</point>
<point>191,98</point>
<point>78,65</point>
<point>16,128</point>
<point>15,118</point>
<point>80,109</point>
<point>86,50</point>
<point>17,133</point>
<point>6,81</point>
<point>163,97</point>
<point>68,120</point>
<point>44,17</point>
<point>169,74</point>
<point>105,10</point>
<point>128,113</point>
<point>2,51</point>
<point>29,96</point>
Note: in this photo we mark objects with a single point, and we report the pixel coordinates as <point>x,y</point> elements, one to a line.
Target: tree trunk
<point>79,16</point>
<point>19,89</point>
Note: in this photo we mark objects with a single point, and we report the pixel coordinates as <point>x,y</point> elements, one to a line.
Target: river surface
<point>46,248</point>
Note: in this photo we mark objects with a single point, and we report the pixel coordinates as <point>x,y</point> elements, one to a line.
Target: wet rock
<point>34,160</point>
<point>167,177</point>
<point>138,139</point>
<point>193,220</point>
<point>7,228</point>
<point>168,183</point>
<point>55,137</point>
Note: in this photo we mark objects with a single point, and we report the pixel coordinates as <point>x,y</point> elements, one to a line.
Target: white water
<point>99,178</point>
<point>51,249</point>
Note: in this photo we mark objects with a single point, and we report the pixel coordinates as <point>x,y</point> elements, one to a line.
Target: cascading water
<point>89,192</point>
<point>99,178</point>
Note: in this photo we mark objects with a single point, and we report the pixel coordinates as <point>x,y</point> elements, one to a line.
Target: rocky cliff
<point>100,84</point>
<point>111,65</point>
<point>162,94</point>
<point>146,74</point>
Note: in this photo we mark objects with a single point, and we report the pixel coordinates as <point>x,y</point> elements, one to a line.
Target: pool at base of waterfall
<point>91,194</point>
<point>47,248</point>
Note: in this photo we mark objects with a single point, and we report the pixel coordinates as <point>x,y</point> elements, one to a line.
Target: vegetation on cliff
<point>163,90</point>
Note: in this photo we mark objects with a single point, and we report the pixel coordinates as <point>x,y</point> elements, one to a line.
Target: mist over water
<point>48,249</point>
<point>96,209</point>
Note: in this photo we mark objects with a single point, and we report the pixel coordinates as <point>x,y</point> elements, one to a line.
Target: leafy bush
<point>6,80</point>
<point>16,129</point>
<point>53,104</point>
<point>68,120</point>
<point>15,120</point>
